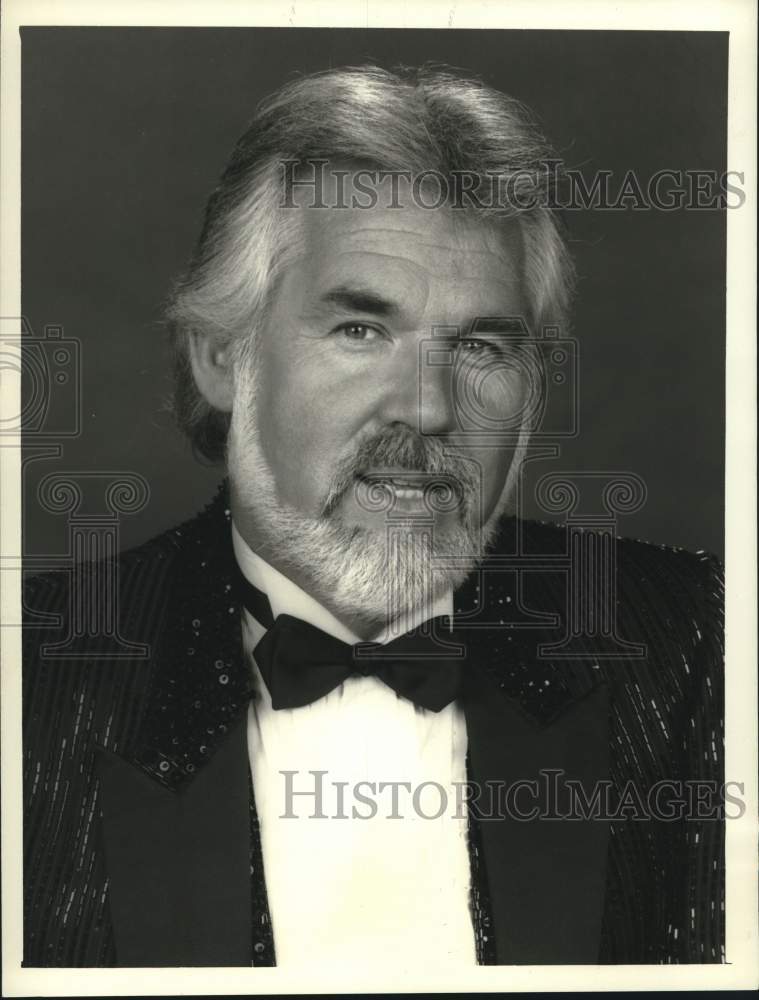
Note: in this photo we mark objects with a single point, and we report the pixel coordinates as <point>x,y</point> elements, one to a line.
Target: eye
<point>473,346</point>
<point>359,333</point>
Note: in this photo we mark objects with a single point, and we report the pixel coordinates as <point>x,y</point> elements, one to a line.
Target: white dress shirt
<point>345,890</point>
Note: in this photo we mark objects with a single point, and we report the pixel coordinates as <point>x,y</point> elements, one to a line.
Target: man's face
<point>340,360</point>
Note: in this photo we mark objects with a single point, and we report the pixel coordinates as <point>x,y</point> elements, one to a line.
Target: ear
<point>211,361</point>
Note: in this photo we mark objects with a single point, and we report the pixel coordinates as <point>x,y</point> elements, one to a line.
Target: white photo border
<point>739,18</point>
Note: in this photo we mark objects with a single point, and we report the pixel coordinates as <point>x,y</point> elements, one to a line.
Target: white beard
<point>357,572</point>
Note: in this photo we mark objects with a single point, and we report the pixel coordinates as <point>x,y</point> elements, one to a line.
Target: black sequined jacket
<point>141,840</point>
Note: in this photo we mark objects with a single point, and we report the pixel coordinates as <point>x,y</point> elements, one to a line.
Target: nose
<point>419,391</point>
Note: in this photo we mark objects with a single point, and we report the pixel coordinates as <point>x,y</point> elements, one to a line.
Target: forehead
<point>411,253</point>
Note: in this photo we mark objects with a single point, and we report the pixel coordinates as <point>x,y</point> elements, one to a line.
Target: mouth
<point>406,484</point>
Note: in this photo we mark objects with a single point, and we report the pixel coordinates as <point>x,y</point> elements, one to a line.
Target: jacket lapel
<point>175,802</point>
<point>527,719</point>
<point>545,877</point>
<point>177,861</point>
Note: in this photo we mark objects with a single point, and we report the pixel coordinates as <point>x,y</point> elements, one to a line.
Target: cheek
<point>303,426</point>
<point>290,426</point>
<point>490,397</point>
<point>495,463</point>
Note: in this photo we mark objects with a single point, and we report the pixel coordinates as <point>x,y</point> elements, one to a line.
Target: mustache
<point>406,451</point>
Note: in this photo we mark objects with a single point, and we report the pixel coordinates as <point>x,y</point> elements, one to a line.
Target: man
<point>358,611</point>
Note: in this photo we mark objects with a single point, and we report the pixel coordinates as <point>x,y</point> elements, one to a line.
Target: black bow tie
<point>300,663</point>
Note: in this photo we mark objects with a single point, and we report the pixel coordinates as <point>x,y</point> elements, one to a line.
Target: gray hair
<point>410,119</point>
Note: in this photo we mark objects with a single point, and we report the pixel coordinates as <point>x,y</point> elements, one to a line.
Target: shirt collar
<point>286,597</point>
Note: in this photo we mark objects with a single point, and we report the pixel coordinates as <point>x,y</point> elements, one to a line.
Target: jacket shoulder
<point>686,588</point>
<point>91,633</point>
<point>663,599</point>
<point>644,570</point>
<point>49,592</point>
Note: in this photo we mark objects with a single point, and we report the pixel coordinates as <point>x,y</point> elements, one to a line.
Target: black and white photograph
<point>378,469</point>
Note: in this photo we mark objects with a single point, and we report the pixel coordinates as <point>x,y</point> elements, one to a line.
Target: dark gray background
<point>125,132</point>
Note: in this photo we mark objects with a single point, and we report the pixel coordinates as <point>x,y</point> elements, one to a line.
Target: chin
<point>385,572</point>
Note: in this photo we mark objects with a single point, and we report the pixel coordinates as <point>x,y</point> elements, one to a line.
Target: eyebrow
<point>355,299</point>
